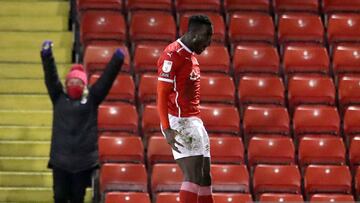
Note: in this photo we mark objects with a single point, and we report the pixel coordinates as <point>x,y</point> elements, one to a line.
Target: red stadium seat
<point>150,119</point>
<point>321,150</point>
<point>123,88</point>
<point>354,151</point>
<point>219,30</point>
<point>159,151</point>
<point>117,117</point>
<point>271,149</point>
<point>281,197</point>
<point>276,178</point>
<point>116,134</point>
<point>250,27</point>
<point>232,198</point>
<point>166,177</point>
<point>230,178</point>
<point>217,89</point>
<point>290,5</point>
<point>357,182</point>
<point>343,28</point>
<point>127,197</point>
<point>311,89</point>
<point>250,5</point>
<point>256,58</point>
<point>199,5</point>
<point>96,57</point>
<point>351,121</point>
<point>215,58</point>
<point>152,26</point>
<point>123,177</point>
<point>220,118</point>
<point>121,149</point>
<point>327,179</point>
<point>135,5</point>
<point>300,27</point>
<point>167,197</point>
<point>226,149</point>
<point>306,59</point>
<point>261,90</point>
<point>265,120</point>
<point>346,58</point>
<point>83,5</point>
<point>146,57</point>
<point>330,6</point>
<point>102,26</point>
<point>147,88</point>
<point>332,198</point>
<point>349,90</point>
<point>316,120</point>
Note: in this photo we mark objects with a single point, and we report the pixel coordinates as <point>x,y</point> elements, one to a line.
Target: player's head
<point>200,30</point>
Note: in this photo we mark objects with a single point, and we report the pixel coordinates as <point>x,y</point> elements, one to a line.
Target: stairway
<point>25,108</point>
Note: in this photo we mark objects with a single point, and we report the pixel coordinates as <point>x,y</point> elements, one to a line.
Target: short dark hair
<point>197,20</point>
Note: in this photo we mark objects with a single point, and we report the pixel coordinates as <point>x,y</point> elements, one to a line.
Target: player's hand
<point>46,48</point>
<point>170,135</point>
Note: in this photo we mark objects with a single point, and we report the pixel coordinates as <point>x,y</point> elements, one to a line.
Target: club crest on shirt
<point>194,75</point>
<point>167,65</point>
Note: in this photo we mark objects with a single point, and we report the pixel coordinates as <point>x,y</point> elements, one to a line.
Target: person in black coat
<point>74,146</point>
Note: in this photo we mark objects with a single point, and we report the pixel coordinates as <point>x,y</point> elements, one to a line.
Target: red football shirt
<point>178,66</point>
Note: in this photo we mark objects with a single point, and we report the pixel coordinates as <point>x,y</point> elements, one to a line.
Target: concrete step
<point>25,179</point>
<point>34,8</point>
<point>25,133</point>
<point>24,102</point>
<point>34,23</point>
<point>24,149</point>
<point>23,164</point>
<point>32,55</point>
<point>26,118</point>
<point>28,70</point>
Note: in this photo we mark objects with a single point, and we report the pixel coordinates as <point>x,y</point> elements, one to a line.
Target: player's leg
<point>205,192</point>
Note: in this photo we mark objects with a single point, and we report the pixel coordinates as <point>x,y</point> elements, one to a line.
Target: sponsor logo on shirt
<point>165,75</point>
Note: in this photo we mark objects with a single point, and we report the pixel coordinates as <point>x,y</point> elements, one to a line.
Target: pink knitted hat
<point>77,71</point>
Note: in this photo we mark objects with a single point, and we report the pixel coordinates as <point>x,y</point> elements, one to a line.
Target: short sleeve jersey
<point>178,65</point>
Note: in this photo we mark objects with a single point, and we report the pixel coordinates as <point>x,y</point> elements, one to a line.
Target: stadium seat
<point>117,117</point>
<point>123,88</point>
<point>220,118</point>
<point>349,90</point>
<point>281,197</point>
<point>152,26</point>
<point>127,197</point>
<point>227,149</point>
<point>351,121</point>
<point>346,58</point>
<point>331,6</point>
<point>300,27</point>
<point>357,182</point>
<point>102,26</point>
<point>327,179</point>
<point>147,88</point>
<point>276,178</point>
<point>354,151</point>
<point>219,29</point>
<point>261,90</point>
<point>123,177</point>
<point>96,57</point>
<point>306,59</point>
<point>321,150</point>
<point>331,198</point>
<point>146,56</point>
<point>246,5</point>
<point>271,149</point>
<point>150,119</point>
<point>159,151</point>
<point>255,58</point>
<point>217,88</point>
<point>121,149</point>
<point>265,120</point>
<point>215,58</point>
<point>316,120</point>
<point>281,6</point>
<point>199,5</point>
<point>311,89</point>
<point>115,134</point>
<point>136,5</point>
<point>166,178</point>
<point>343,28</point>
<point>229,178</point>
<point>232,198</point>
<point>251,27</point>
<point>84,5</point>
<point>167,197</point>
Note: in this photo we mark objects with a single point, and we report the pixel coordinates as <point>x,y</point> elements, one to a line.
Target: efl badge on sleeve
<point>166,68</point>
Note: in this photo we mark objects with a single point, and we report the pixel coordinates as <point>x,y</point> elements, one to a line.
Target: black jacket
<point>74,145</point>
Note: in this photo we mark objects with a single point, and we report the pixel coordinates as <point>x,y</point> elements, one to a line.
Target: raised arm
<point>52,80</point>
<point>103,85</point>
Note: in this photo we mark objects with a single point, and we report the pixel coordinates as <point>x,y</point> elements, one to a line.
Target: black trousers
<point>70,187</point>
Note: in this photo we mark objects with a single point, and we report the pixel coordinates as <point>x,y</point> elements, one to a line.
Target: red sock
<point>189,192</point>
<point>205,195</point>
